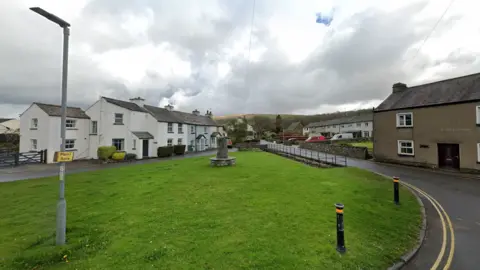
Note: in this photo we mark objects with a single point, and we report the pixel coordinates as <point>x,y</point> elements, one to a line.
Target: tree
<point>237,129</point>
<point>261,124</point>
<point>278,124</point>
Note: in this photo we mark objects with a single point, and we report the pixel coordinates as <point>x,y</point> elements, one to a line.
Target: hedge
<point>105,152</point>
<point>164,151</point>
<point>179,149</point>
<point>119,155</point>
<point>130,156</point>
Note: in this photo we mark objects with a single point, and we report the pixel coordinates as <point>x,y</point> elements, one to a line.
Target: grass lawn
<point>369,145</point>
<point>266,213</point>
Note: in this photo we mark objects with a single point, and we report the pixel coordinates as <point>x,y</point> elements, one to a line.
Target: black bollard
<point>396,195</point>
<point>340,229</point>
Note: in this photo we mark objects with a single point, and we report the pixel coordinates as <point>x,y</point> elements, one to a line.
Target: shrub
<point>119,155</point>
<point>130,156</point>
<point>164,151</point>
<point>105,152</point>
<point>179,149</point>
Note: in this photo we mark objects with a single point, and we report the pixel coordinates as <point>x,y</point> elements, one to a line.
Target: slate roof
<point>142,135</point>
<point>294,126</point>
<point>451,91</point>
<point>55,110</point>
<point>5,119</point>
<point>344,120</point>
<point>164,115</point>
<point>125,104</point>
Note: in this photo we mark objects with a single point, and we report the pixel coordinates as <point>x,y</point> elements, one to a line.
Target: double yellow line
<point>443,217</point>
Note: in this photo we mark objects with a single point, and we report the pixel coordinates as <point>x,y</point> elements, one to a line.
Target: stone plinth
<point>221,162</point>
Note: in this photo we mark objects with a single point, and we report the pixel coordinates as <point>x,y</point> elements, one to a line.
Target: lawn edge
<point>405,258</point>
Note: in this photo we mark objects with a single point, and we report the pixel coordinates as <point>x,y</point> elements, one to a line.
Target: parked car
<point>229,143</point>
<point>316,139</point>
<point>342,136</point>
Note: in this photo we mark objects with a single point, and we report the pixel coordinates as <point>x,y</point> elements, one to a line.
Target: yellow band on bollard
<point>339,211</point>
<point>395,180</point>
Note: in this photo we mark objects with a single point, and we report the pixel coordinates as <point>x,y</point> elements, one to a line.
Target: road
<point>459,196</point>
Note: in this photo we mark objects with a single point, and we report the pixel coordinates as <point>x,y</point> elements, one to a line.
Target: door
<point>449,156</point>
<point>145,148</point>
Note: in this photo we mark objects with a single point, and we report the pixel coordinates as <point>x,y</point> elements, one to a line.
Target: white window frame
<point>70,123</point>
<point>478,152</point>
<point>366,124</point>
<point>118,118</point>
<point>192,129</point>
<point>94,130</point>
<point>180,128</point>
<point>69,144</point>
<point>205,130</point>
<point>134,144</point>
<point>400,115</point>
<point>366,133</point>
<point>169,142</point>
<point>33,144</point>
<point>478,115</point>
<point>399,147</point>
<point>179,141</point>
<point>359,124</point>
<point>34,123</point>
<point>170,127</point>
<point>122,143</point>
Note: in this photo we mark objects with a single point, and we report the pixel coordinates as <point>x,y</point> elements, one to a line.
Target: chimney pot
<point>139,101</point>
<point>196,112</point>
<point>169,107</point>
<point>399,87</point>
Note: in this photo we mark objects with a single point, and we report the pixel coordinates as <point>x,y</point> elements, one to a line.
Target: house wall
<point>444,124</point>
<point>79,134</point>
<point>41,134</point>
<point>164,135</point>
<point>343,128</point>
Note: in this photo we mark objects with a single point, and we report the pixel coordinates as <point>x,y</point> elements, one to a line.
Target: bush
<point>179,149</point>
<point>119,155</point>
<point>164,151</point>
<point>130,156</point>
<point>105,152</point>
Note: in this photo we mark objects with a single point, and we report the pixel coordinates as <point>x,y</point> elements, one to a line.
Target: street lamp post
<point>61,204</point>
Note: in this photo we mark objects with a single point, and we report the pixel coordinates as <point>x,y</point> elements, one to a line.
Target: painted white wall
<point>305,130</point>
<point>81,148</point>
<point>41,133</point>
<point>10,126</point>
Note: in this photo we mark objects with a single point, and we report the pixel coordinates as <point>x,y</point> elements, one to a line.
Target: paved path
<point>44,170</point>
<point>459,196</point>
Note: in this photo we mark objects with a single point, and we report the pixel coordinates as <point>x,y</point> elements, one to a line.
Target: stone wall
<point>250,145</point>
<point>337,149</point>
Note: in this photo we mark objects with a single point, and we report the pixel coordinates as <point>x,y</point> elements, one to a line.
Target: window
<point>69,144</point>
<point>169,142</point>
<point>405,148</point>
<point>119,144</point>
<point>217,129</point>
<point>70,123</point>
<point>342,126</point>
<point>478,115</point>
<point>205,130</point>
<point>366,124</point>
<point>366,134</point>
<point>359,124</point>
<point>334,126</point>
<point>94,128</point>
<point>134,144</point>
<point>33,144</point>
<point>34,123</point>
<point>179,141</point>
<point>118,119</point>
<point>170,128</point>
<point>180,128</point>
<point>404,120</point>
<point>478,152</point>
<point>350,125</point>
<point>192,129</point>
<point>192,142</point>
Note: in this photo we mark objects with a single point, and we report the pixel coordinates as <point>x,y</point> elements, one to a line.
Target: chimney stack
<point>169,107</point>
<point>399,87</point>
<point>209,114</point>
<point>196,112</point>
<point>139,101</point>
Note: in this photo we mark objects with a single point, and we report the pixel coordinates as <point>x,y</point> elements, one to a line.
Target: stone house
<point>434,125</point>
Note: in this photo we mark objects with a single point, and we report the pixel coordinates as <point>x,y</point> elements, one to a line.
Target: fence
<point>16,158</point>
<point>320,157</point>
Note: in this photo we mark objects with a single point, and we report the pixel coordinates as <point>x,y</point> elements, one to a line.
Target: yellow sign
<point>63,156</point>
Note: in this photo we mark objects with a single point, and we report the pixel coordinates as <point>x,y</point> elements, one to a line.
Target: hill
<point>287,119</point>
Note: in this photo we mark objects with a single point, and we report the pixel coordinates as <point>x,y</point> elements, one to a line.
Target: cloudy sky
<point>195,53</point>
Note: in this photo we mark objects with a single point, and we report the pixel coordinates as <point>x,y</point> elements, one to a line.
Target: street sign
<point>63,156</point>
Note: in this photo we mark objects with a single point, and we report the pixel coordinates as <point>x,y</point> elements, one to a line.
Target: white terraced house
<point>359,125</point>
<point>130,126</point>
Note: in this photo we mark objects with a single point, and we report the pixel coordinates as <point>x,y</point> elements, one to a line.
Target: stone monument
<point>222,158</point>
